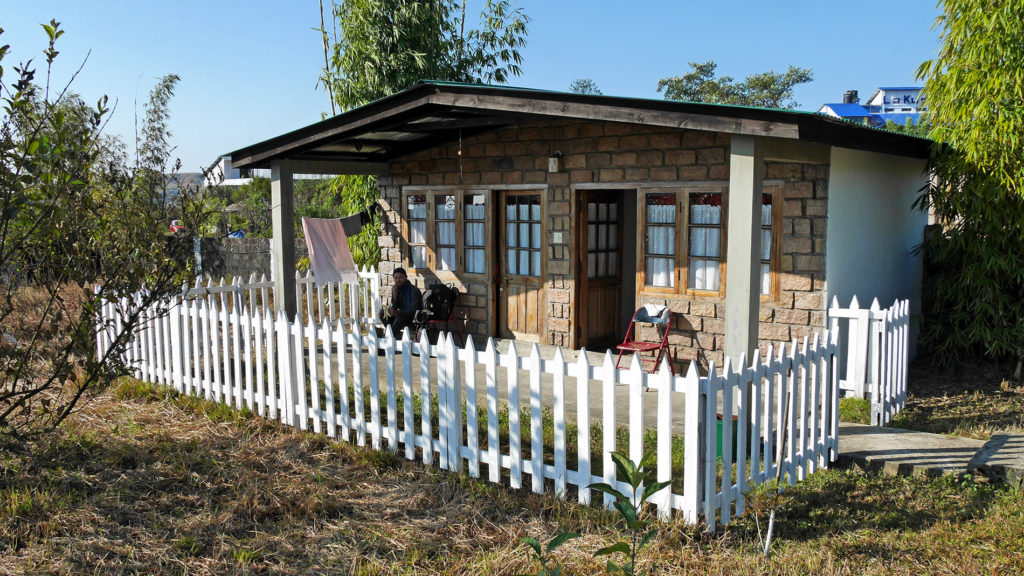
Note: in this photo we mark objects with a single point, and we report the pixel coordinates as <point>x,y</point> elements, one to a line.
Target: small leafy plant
<point>543,555</point>
<point>631,510</point>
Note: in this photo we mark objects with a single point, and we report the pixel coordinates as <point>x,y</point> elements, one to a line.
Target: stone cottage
<point>557,215</point>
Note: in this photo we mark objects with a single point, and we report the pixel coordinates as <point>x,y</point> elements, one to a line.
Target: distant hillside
<point>184,179</point>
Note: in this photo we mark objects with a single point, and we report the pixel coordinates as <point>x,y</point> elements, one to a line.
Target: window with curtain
<point>444,240</point>
<point>475,218</point>
<point>704,258</point>
<point>766,244</point>
<point>416,216</point>
<point>660,240</point>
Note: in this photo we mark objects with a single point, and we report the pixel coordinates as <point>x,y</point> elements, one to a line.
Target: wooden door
<point>599,272</point>
<point>520,286</point>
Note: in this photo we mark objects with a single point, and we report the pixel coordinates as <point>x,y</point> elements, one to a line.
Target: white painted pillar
<point>743,257</point>
<point>282,246</point>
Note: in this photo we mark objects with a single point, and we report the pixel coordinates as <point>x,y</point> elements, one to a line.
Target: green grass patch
<point>856,410</point>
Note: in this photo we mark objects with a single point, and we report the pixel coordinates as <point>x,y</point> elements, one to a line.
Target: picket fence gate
<point>876,356</point>
<point>327,376</point>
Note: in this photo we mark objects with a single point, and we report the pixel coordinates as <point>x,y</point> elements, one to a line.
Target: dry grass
<point>974,401</point>
<point>142,482</point>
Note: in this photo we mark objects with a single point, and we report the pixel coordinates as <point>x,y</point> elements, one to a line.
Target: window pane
<point>510,209</point>
<point>447,258</point>
<point>475,261</point>
<point>445,207</point>
<point>661,208</point>
<point>535,263</point>
<point>602,236</point>
<point>536,236</point>
<point>705,242</point>
<point>602,264</point>
<point>524,212</point>
<point>661,240</point>
<point>510,235</point>
<point>613,236</point>
<point>417,231</point>
<point>613,212</point>
<point>419,256</point>
<point>446,233</point>
<point>766,279</point>
<point>592,237</point>
<point>475,207</point>
<point>766,213</point>
<point>524,235</point>
<point>535,210</point>
<point>474,234</point>
<point>703,274</point>
<point>660,272</point>
<point>602,212</point>
<point>591,211</point>
<point>592,265</point>
<point>766,243</point>
<point>705,208</point>
<point>511,261</point>
<point>524,262</point>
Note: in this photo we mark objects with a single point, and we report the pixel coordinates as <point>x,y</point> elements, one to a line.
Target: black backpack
<point>438,301</point>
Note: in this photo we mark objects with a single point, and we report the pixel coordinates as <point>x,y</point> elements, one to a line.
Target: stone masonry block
<point>693,173</point>
<point>809,301</point>
<point>711,155</point>
<point>718,172</point>
<point>797,282</point>
<point>799,317</point>
<point>680,157</point>
<point>777,332</point>
<point>705,309</point>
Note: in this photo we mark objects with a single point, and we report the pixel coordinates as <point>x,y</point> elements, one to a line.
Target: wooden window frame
<point>433,257</point>
<point>682,234</point>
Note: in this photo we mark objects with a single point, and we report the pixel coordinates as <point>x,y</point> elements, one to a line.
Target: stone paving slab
<point>905,452</point>
<point>1001,459</point>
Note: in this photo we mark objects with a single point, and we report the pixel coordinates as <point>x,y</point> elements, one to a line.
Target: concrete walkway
<point>906,452</point>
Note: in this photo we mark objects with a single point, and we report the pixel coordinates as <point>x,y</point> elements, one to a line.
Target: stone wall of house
<point>612,153</point>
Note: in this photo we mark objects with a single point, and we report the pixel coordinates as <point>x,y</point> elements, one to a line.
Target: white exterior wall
<point>872,228</point>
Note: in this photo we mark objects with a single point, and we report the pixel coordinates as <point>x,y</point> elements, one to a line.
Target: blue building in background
<point>898,104</point>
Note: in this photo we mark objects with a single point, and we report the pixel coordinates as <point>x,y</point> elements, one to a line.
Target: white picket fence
<point>876,354</point>
<point>328,376</point>
<point>332,301</point>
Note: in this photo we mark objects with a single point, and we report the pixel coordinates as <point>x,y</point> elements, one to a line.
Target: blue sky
<point>248,69</point>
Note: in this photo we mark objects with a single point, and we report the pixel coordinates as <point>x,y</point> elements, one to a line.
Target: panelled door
<point>520,286</point>
<point>599,268</point>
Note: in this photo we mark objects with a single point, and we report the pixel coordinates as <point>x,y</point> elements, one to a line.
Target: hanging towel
<point>329,257</point>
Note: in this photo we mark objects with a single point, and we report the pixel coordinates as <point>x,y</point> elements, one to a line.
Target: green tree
<point>974,288</point>
<point>766,90</point>
<point>384,46</point>
<point>80,226</point>
<point>584,86</point>
<point>974,87</point>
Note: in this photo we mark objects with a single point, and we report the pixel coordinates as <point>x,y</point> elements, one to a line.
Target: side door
<point>520,267</point>
<point>599,268</point>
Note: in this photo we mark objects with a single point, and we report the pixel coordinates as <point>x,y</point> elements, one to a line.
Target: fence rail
<point>504,416</point>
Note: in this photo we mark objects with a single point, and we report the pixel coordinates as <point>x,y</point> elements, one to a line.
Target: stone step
<point>1001,459</point>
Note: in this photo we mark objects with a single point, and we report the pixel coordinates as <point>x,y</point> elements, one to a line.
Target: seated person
<point>406,300</point>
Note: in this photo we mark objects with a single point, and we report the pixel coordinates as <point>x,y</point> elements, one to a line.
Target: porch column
<point>282,246</point>
<point>743,256</point>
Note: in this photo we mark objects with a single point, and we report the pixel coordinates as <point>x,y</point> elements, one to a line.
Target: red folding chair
<point>660,317</point>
